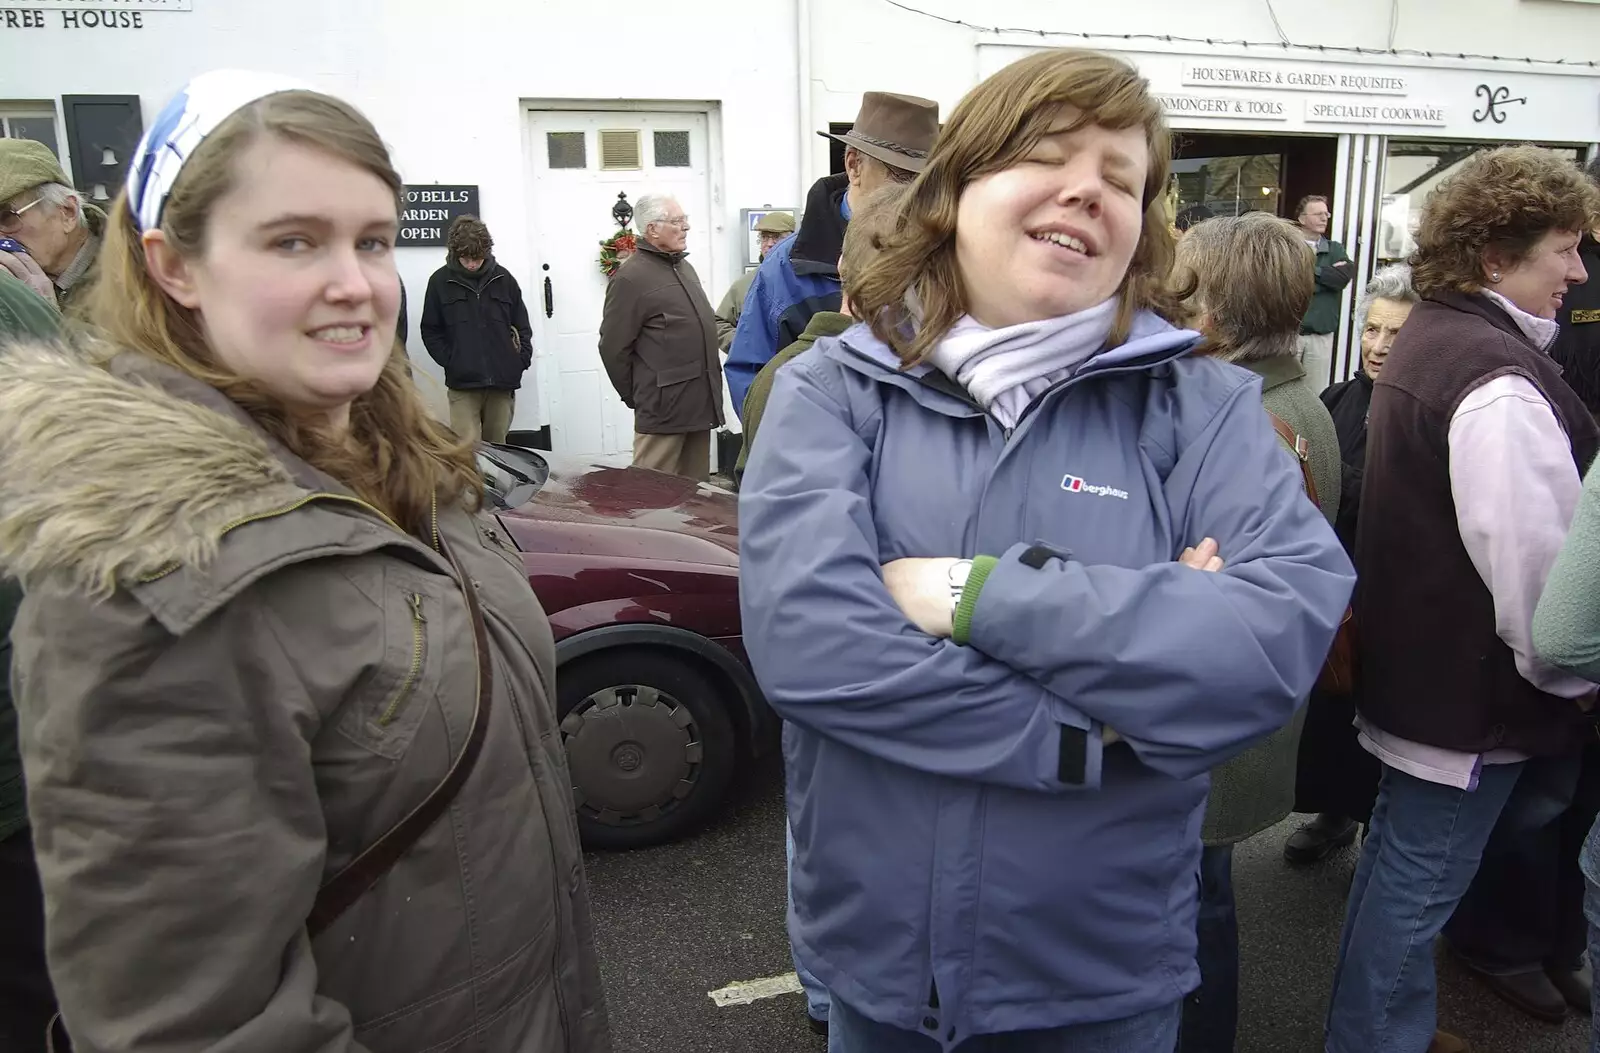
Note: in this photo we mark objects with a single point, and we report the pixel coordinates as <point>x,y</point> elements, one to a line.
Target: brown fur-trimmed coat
<point>232,677</point>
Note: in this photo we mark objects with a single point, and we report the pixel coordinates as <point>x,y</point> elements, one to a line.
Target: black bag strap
<point>365,870</point>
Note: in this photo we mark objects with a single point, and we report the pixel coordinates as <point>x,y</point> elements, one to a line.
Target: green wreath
<point>615,249</point>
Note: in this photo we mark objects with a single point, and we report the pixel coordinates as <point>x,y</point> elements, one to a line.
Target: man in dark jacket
<point>658,340</point>
<point>1334,271</point>
<point>27,1001</point>
<point>475,325</point>
<point>888,143</point>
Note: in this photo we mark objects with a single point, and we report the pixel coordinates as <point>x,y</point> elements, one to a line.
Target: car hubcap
<point>634,752</point>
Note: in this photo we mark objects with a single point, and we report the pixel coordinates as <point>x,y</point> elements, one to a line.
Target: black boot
<point>1318,838</point>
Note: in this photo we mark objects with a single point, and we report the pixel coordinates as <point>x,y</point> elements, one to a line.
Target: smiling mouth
<point>340,334</point>
<point>1066,241</point>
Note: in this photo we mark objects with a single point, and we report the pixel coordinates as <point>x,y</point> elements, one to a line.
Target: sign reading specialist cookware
<point>426,212</point>
<point>1354,111</point>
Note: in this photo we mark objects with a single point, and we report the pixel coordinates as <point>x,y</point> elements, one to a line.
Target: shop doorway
<point>1227,174</point>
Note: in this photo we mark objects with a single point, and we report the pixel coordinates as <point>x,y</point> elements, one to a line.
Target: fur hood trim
<point>108,479</point>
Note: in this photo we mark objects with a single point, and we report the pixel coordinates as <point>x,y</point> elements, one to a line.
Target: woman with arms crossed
<point>974,585</point>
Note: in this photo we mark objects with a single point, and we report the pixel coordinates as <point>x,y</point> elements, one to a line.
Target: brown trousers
<point>687,454</point>
<point>482,412</point>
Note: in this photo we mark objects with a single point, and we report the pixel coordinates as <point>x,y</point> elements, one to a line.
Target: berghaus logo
<point>1073,484</point>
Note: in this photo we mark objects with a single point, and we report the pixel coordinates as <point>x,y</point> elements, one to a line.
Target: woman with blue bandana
<point>284,696</point>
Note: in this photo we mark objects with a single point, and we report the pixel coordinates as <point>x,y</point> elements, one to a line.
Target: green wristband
<point>962,625</point>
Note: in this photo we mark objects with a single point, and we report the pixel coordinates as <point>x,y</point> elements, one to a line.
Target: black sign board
<point>426,212</point>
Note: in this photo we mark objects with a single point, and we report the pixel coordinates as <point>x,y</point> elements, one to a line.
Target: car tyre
<point>650,743</point>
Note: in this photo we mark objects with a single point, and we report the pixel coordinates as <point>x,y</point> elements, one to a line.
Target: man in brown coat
<point>658,340</point>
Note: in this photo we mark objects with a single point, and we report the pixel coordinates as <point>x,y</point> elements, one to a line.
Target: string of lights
<point>1264,46</point>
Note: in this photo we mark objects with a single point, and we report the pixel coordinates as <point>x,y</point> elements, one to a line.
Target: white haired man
<point>658,340</point>
<point>38,208</point>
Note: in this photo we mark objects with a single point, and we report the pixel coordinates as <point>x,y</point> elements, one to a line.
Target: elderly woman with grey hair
<point>1337,780</point>
<point>1249,279</point>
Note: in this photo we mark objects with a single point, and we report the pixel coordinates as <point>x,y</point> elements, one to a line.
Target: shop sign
<point>427,211</point>
<point>1495,102</point>
<point>1231,107</point>
<point>102,5</point>
<point>1321,111</point>
<point>1333,81</point>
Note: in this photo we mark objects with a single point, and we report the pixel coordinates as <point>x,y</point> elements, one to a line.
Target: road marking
<point>746,991</point>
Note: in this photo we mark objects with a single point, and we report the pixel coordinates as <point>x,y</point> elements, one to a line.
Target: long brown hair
<point>393,455</point>
<point>992,129</point>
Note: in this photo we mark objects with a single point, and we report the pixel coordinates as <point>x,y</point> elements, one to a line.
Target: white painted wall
<point>445,81</point>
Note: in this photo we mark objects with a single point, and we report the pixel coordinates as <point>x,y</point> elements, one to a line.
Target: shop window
<point>36,121</point>
<point>566,149</point>
<point>672,149</point>
<point>1412,168</point>
<point>620,150</point>
<point>1228,186</point>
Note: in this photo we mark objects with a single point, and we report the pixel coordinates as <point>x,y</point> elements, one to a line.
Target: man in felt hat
<point>888,143</point>
<point>770,229</point>
<point>40,209</point>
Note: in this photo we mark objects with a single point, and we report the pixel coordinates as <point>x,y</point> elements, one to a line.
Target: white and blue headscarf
<point>192,114</point>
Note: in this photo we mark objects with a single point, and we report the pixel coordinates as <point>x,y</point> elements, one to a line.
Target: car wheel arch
<point>752,719</point>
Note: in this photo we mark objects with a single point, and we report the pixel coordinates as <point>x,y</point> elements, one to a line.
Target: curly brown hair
<point>993,128</point>
<point>1507,200</point>
<point>394,455</point>
<point>468,237</point>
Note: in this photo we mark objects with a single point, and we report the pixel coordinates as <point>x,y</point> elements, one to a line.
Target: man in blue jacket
<point>889,142</point>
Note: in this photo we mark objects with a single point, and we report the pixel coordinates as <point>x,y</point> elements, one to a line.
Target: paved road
<point>680,921</point>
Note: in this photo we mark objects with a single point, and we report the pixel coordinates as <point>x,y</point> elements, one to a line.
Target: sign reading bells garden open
<point>426,212</point>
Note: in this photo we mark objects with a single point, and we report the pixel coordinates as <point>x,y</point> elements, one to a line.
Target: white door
<point>581,161</point>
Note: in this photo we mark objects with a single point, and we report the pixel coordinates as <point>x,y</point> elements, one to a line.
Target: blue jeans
<point>1211,1012</point>
<point>1523,912</point>
<point>1420,855</point>
<point>1591,907</point>
<point>1152,1032</point>
<point>816,994</point>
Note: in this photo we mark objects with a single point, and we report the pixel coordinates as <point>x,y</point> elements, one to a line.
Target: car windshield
<point>512,476</point>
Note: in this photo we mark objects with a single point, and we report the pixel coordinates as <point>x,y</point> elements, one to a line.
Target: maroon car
<point>639,573</point>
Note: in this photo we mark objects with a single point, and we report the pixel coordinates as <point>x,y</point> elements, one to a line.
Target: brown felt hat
<point>896,129</point>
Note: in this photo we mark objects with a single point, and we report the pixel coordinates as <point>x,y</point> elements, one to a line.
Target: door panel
<point>577,174</point>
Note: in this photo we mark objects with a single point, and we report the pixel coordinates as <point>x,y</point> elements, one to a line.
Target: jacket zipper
<point>418,653</point>
<point>477,293</point>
